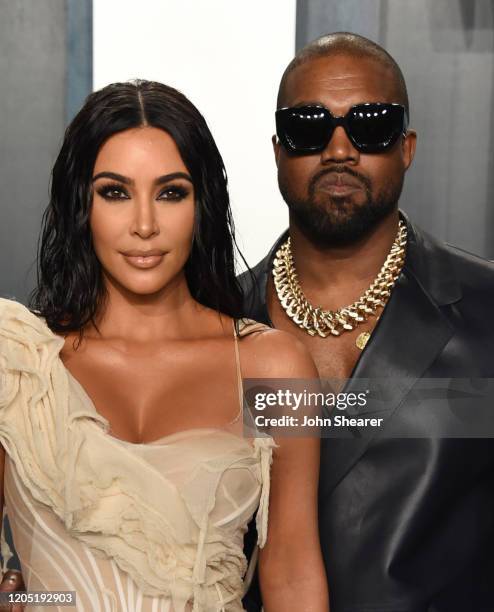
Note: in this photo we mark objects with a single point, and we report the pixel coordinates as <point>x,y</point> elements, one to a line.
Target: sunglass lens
<point>375,127</point>
<point>304,128</point>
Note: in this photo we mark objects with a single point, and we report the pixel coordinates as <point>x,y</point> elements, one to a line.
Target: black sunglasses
<point>372,127</point>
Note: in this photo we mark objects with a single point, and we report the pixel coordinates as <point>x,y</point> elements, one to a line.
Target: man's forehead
<point>339,77</point>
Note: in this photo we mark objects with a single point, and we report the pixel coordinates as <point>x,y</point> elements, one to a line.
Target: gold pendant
<point>362,340</point>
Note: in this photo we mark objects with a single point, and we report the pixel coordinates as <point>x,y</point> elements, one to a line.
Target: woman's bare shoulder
<point>272,353</point>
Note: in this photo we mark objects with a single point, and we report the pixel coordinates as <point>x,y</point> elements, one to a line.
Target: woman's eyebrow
<point>116,177</point>
<point>128,181</point>
<point>172,176</point>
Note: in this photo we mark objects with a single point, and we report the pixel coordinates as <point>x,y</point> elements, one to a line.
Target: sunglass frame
<point>282,115</point>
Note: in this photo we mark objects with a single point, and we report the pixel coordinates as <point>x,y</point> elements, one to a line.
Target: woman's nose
<point>145,223</point>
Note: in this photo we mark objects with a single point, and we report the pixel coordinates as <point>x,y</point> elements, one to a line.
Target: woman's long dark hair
<point>70,287</point>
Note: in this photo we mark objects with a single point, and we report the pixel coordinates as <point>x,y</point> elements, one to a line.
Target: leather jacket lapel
<point>410,334</point>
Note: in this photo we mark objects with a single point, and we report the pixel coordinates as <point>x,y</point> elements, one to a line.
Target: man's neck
<point>339,274</point>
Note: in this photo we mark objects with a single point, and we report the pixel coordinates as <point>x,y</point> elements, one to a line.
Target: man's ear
<point>409,145</point>
<point>276,148</point>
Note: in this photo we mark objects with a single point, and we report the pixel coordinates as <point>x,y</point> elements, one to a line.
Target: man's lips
<point>338,183</point>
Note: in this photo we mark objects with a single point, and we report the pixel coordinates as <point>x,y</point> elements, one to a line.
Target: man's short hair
<point>353,45</point>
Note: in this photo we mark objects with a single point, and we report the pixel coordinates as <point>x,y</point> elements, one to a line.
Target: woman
<point>127,478</point>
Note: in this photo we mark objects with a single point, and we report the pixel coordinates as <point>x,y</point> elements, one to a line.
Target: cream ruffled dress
<point>130,527</point>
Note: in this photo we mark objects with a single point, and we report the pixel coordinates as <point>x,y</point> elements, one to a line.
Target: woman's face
<point>142,214</point>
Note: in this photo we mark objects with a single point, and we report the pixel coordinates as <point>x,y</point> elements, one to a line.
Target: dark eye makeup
<point>174,193</point>
<point>116,191</point>
<point>112,191</point>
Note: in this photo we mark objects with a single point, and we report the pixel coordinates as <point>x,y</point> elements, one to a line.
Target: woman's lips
<point>144,260</point>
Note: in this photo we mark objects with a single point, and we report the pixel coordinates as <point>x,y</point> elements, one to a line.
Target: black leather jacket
<point>407,524</point>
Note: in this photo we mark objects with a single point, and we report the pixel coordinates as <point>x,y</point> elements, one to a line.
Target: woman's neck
<point>165,315</point>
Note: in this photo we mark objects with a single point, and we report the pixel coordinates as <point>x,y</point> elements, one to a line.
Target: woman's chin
<point>153,285</point>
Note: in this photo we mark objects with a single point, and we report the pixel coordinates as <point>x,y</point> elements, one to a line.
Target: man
<point>406,525</point>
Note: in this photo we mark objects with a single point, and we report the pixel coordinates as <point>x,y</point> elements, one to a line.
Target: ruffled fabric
<point>162,535</point>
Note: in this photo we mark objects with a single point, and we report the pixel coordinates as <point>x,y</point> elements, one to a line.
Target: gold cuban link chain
<point>334,322</point>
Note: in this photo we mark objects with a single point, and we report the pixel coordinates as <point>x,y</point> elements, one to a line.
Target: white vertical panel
<point>227,56</point>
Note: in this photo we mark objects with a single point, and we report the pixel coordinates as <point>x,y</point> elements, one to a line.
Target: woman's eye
<point>113,192</point>
<point>173,193</point>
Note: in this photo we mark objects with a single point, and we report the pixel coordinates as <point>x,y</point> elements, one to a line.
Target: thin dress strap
<point>242,327</point>
<point>240,390</point>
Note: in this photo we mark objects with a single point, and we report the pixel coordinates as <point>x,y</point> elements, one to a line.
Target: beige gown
<point>130,527</point>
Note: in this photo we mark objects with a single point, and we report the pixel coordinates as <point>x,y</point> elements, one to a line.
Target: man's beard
<point>336,220</point>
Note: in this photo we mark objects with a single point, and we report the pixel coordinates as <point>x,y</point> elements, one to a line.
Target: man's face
<point>335,196</point>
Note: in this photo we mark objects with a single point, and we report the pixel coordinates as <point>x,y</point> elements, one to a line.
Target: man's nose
<point>145,223</point>
<point>339,149</point>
